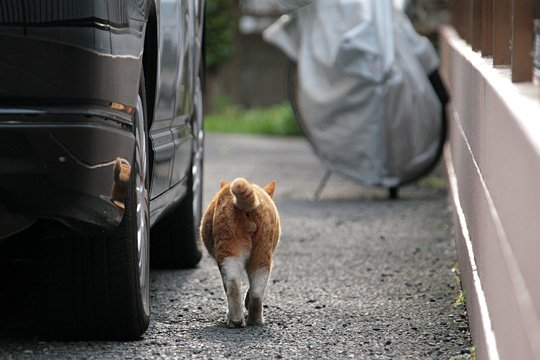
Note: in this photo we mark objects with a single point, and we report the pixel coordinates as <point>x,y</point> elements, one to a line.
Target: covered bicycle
<point>365,89</point>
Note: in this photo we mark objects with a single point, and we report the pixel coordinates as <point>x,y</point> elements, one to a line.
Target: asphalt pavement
<point>356,275</point>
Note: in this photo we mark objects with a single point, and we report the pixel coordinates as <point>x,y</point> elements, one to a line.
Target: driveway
<point>355,276</point>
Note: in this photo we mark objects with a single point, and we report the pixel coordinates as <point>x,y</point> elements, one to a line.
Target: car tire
<point>175,237</point>
<point>97,287</point>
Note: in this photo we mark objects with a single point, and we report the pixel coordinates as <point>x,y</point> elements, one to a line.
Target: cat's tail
<point>245,197</point>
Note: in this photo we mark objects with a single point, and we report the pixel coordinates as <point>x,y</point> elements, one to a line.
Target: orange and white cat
<point>241,230</point>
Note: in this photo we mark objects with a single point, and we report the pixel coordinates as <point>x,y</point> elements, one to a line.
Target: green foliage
<point>473,353</point>
<point>221,25</point>
<point>433,181</point>
<point>461,300</point>
<point>274,120</point>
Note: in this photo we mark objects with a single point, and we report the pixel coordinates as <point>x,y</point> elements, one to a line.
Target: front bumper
<point>59,165</point>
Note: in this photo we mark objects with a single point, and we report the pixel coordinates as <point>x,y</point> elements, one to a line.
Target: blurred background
<point>246,77</point>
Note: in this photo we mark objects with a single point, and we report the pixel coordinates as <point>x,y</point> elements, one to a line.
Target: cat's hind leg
<point>258,281</point>
<point>231,272</point>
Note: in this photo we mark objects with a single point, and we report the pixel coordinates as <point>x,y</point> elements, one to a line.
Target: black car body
<point>101,131</point>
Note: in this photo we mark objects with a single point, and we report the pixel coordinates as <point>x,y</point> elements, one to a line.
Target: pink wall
<point>493,158</point>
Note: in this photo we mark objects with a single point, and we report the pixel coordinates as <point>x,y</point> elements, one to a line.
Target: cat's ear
<point>222,184</point>
<point>270,188</point>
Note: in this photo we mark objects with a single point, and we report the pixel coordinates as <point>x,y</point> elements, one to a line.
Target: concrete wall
<point>493,162</point>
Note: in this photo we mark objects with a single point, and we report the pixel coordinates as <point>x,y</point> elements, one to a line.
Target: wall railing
<point>502,29</point>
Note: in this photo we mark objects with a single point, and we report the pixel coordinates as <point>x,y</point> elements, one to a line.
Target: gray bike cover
<point>369,109</point>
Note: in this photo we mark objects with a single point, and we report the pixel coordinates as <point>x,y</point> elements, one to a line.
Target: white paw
<point>256,321</point>
<point>236,323</point>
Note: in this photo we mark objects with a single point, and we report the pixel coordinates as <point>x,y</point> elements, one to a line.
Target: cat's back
<point>240,221</point>
<point>267,219</point>
<point>215,217</point>
<point>224,226</point>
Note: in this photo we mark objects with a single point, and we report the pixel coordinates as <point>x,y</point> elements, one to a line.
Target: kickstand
<point>322,184</point>
<point>393,193</point>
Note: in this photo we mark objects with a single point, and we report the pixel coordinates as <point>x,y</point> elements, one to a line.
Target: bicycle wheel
<point>293,91</point>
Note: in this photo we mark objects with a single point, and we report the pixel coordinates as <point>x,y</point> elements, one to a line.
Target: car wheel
<point>175,237</point>
<point>97,287</point>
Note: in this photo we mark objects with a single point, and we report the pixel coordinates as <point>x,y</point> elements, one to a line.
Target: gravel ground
<point>355,276</point>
